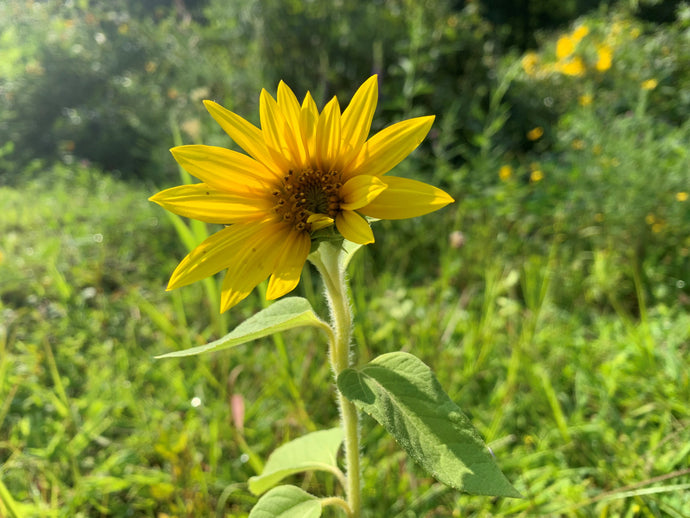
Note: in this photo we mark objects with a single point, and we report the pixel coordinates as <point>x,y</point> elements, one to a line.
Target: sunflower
<point>304,172</point>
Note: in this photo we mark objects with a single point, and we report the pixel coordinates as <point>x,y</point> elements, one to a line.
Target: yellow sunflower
<point>304,171</point>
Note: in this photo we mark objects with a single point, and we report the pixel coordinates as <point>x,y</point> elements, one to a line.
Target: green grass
<point>585,407</point>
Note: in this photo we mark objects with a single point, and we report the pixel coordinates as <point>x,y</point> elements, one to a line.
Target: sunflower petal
<point>328,136</point>
<point>244,133</point>
<point>216,253</point>
<point>405,198</point>
<point>319,221</point>
<point>389,147</point>
<point>274,129</point>
<point>289,265</point>
<point>290,108</point>
<point>360,191</point>
<point>289,105</point>
<point>205,203</point>
<point>308,117</point>
<point>358,115</point>
<point>254,261</point>
<point>354,227</point>
<point>224,169</point>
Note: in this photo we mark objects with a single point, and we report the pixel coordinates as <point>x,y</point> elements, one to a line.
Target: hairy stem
<point>327,261</point>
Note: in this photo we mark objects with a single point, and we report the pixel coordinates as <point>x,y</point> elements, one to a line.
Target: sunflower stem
<point>327,260</point>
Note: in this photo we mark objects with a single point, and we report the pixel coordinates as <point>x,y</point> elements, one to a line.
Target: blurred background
<point>551,299</point>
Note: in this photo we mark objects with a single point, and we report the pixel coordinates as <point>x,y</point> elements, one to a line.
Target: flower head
<point>604,58</point>
<point>304,171</point>
<point>535,133</point>
<point>649,84</point>
<point>505,172</point>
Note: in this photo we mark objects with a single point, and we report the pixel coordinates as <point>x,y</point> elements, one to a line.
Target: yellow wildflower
<point>572,67</point>
<point>586,99</point>
<point>649,84</point>
<point>564,47</point>
<point>580,32</point>
<point>682,196</point>
<point>304,172</point>
<point>578,144</point>
<point>535,133</point>
<point>536,176</point>
<point>650,219</point>
<point>505,172</point>
<point>530,62</point>
<point>605,56</point>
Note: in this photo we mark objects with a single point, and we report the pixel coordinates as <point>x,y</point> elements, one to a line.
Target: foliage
<point>552,301</point>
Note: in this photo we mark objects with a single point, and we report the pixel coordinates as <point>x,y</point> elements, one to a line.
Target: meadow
<point>551,299</point>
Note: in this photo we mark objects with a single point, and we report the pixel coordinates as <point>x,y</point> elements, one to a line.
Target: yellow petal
<point>308,117</point>
<point>273,125</point>
<point>358,115</point>
<point>244,133</point>
<point>389,147</point>
<point>216,253</point>
<point>319,221</point>
<point>290,108</point>
<point>205,203</point>
<point>254,261</point>
<point>289,265</point>
<point>289,105</point>
<point>405,198</point>
<point>360,191</point>
<point>354,227</point>
<point>328,136</point>
<point>224,169</point>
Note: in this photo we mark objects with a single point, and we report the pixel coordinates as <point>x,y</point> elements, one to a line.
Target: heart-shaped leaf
<point>404,396</point>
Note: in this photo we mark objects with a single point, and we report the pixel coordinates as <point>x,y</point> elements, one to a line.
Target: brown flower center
<point>307,192</point>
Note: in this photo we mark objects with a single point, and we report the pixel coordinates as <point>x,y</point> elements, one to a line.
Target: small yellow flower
<point>580,32</point>
<point>572,67</point>
<point>505,172</point>
<point>530,62</point>
<point>604,58</point>
<point>650,219</point>
<point>564,47</point>
<point>536,176</point>
<point>304,171</point>
<point>150,66</point>
<point>586,99</point>
<point>649,84</point>
<point>682,196</point>
<point>658,227</point>
<point>578,144</point>
<point>535,133</point>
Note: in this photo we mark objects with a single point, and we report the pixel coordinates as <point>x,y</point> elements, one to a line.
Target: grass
<point>584,407</point>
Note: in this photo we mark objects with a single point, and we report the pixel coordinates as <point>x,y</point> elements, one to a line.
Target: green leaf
<point>404,396</point>
<point>285,314</point>
<point>287,502</point>
<point>314,451</point>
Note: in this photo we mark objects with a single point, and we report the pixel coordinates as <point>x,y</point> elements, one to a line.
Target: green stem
<point>327,260</point>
